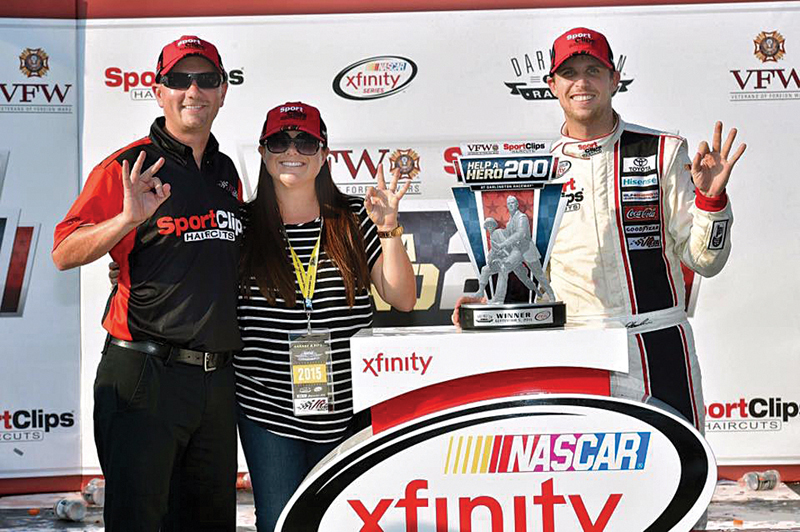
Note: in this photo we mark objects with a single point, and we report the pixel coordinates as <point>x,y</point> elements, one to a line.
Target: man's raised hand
<point>143,191</point>
<point>711,168</point>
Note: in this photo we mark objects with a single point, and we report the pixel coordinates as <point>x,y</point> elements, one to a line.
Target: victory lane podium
<point>404,373</point>
<point>503,431</point>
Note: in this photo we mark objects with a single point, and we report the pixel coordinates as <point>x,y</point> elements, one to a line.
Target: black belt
<point>209,361</point>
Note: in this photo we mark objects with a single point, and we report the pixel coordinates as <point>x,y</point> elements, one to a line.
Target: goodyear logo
<point>534,453</point>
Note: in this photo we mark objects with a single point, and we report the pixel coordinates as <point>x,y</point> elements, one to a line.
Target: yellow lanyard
<point>307,277</point>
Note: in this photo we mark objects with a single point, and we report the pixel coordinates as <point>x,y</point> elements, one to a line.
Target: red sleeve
<point>715,204</point>
<point>100,199</point>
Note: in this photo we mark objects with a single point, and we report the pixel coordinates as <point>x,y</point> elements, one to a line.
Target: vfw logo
<point>523,464</point>
<point>355,170</point>
<point>33,94</point>
<point>772,80</point>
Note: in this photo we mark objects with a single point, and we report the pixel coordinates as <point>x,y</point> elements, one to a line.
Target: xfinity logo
<point>405,364</point>
<point>543,497</point>
<point>375,77</point>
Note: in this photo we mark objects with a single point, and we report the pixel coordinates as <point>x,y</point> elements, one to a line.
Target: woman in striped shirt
<point>309,255</point>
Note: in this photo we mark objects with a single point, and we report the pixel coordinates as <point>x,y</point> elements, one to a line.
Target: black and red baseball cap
<point>579,41</point>
<point>185,46</point>
<point>295,116</point>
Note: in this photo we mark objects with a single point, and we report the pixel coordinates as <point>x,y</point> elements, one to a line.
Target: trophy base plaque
<point>513,316</point>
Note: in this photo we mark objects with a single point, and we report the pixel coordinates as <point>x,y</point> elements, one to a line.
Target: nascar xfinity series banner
<point>523,464</point>
<point>409,90</point>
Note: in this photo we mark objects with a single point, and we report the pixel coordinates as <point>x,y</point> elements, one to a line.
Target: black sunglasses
<point>183,80</point>
<point>304,143</point>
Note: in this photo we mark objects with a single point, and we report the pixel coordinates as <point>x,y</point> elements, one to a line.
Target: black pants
<point>166,439</point>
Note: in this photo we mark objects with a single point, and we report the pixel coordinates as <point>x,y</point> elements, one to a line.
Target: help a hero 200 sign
<point>556,463</point>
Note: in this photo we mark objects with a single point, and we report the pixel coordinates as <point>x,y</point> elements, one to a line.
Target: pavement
<point>732,509</point>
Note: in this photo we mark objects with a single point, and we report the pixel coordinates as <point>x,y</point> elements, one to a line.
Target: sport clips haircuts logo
<point>758,414</point>
<point>139,84</point>
<point>531,70</point>
<point>220,225</point>
<point>375,77</point>
<point>768,82</point>
<point>31,425</point>
<point>34,95</point>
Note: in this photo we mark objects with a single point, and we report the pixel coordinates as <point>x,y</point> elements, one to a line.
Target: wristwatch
<point>397,231</point>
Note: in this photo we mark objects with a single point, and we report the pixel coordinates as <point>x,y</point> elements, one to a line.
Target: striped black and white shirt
<point>263,371</point>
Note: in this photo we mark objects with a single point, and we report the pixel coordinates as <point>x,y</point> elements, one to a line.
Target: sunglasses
<point>304,143</point>
<point>183,80</point>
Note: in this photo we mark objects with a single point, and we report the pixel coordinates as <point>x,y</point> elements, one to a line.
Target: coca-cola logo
<point>641,212</point>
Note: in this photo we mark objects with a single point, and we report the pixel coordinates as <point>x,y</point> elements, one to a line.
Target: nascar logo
<point>534,453</point>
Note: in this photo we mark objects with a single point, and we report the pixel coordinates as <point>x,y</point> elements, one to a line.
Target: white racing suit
<point>633,216</point>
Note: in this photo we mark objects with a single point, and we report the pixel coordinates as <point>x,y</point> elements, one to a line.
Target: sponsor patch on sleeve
<point>719,232</point>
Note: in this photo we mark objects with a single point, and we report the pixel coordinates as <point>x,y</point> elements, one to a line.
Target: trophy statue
<point>508,216</point>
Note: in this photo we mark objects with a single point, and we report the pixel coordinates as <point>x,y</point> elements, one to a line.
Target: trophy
<point>507,213</point>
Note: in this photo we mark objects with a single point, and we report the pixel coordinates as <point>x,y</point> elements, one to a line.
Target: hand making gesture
<point>143,191</point>
<point>711,169</point>
<point>382,203</point>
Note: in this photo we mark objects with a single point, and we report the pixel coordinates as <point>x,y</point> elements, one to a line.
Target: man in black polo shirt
<point>166,208</point>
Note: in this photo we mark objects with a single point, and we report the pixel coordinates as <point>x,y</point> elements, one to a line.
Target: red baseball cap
<point>294,116</point>
<point>185,46</point>
<point>579,41</point>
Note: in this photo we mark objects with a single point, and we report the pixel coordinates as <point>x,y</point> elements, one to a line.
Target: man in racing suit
<point>646,209</point>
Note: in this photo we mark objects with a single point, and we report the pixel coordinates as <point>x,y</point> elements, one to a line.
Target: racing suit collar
<point>584,149</point>
<point>175,148</point>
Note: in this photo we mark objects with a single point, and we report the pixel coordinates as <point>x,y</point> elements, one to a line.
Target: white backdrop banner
<point>410,88</point>
<point>40,422</point>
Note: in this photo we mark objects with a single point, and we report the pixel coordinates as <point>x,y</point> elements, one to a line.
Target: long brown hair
<point>264,249</point>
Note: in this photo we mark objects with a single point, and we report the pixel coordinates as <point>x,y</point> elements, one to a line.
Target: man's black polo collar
<point>181,152</point>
